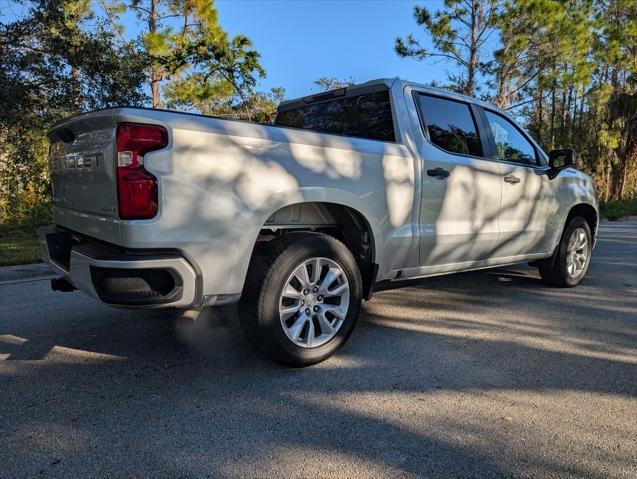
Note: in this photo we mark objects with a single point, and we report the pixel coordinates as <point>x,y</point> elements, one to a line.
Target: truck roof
<point>388,83</point>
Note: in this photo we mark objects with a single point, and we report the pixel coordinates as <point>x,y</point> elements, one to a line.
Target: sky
<point>303,40</point>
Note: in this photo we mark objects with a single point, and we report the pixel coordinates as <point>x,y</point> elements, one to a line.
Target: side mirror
<point>559,159</point>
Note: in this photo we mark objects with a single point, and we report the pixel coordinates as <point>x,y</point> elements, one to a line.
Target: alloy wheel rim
<point>314,302</point>
<point>576,252</point>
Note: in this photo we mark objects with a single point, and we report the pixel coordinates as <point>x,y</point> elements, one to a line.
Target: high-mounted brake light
<point>136,187</point>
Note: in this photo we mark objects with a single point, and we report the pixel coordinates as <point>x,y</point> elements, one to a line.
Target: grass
<point>19,247</point>
<point>615,210</point>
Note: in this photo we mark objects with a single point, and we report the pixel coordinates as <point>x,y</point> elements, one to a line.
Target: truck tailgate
<point>83,177</point>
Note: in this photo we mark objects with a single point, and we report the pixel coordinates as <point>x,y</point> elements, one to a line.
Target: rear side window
<point>366,116</point>
<point>510,143</point>
<point>450,125</point>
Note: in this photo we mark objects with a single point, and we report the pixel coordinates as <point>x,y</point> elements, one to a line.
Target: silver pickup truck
<point>349,191</point>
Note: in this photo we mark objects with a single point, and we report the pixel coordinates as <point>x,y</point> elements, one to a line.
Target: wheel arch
<point>584,210</point>
<point>588,212</point>
<point>344,222</point>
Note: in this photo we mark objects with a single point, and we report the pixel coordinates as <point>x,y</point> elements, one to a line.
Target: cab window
<point>510,144</point>
<point>450,125</point>
<point>365,116</point>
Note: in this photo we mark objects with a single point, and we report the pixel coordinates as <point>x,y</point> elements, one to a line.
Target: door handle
<point>438,173</point>
<point>511,179</point>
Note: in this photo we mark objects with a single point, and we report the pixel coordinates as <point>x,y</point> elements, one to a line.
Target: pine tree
<point>459,33</point>
<point>190,55</point>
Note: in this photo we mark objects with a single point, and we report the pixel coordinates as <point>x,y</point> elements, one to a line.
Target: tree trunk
<point>473,50</point>
<point>607,181</point>
<point>75,74</point>
<point>155,74</point>
<point>553,107</point>
<point>552,122</point>
<point>155,78</point>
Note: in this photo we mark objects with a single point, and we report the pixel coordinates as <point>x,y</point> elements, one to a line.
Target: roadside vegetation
<point>566,70</point>
<point>616,210</point>
<point>19,247</point>
<point>19,242</point>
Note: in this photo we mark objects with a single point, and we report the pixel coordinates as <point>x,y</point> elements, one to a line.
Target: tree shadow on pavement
<point>482,374</point>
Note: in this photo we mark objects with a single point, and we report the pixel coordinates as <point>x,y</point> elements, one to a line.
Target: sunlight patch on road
<point>524,335</point>
<point>63,355</point>
<point>282,460</point>
<point>11,339</point>
<point>344,361</point>
<point>49,436</point>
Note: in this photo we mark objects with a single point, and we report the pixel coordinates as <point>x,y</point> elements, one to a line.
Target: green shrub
<point>615,210</point>
<point>26,213</point>
<point>19,221</point>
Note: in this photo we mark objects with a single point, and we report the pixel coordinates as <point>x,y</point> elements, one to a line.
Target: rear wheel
<point>572,257</point>
<point>302,298</point>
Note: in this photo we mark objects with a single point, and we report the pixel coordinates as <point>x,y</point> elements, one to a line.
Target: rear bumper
<point>140,279</point>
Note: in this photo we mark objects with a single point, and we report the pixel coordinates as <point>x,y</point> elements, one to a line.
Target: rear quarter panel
<point>220,180</point>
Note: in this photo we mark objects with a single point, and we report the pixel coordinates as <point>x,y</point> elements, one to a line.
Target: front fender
<point>575,188</point>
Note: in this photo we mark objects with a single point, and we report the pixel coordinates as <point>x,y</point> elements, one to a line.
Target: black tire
<point>554,271</point>
<point>271,265</point>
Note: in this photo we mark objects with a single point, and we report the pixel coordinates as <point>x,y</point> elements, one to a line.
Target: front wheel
<point>302,298</point>
<point>572,257</point>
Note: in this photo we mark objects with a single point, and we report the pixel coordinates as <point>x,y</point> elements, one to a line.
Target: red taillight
<point>136,187</point>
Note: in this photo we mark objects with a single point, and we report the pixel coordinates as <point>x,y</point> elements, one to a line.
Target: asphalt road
<point>485,374</point>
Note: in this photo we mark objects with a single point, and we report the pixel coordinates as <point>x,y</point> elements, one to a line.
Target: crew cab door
<point>461,188</point>
<point>529,201</point>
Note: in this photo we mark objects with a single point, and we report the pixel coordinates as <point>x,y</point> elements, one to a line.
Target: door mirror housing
<point>559,159</point>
